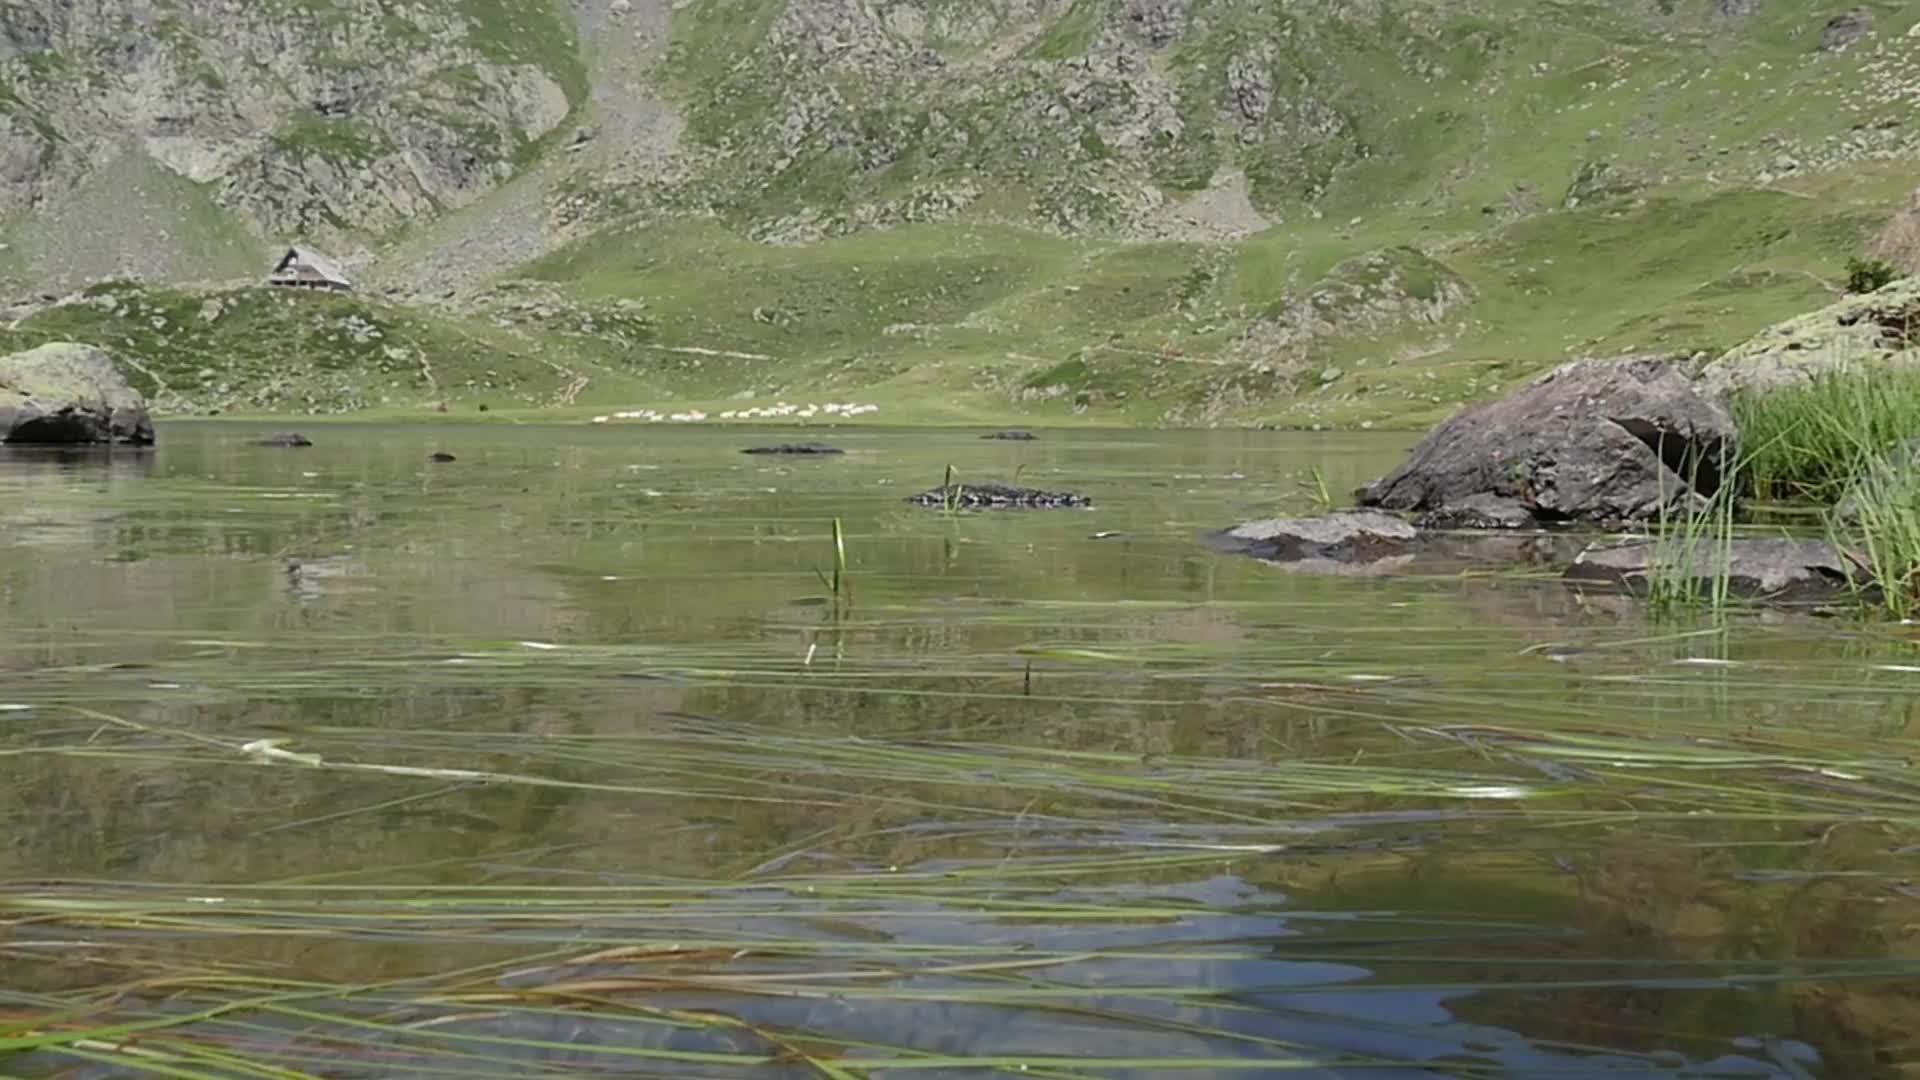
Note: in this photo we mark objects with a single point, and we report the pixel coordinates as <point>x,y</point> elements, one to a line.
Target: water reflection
<point>1039,787</point>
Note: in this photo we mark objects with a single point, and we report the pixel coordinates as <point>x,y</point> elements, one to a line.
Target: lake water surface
<point>563,759</point>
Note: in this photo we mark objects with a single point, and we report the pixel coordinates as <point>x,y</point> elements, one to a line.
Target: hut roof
<point>307,258</point>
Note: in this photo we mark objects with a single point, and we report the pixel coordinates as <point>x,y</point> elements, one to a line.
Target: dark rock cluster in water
<point>1596,441</point>
<point>440,455</point>
<point>999,497</point>
<point>794,448</point>
<point>1011,436</point>
<point>285,438</point>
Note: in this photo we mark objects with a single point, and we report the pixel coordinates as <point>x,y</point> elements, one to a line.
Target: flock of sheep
<point>778,410</point>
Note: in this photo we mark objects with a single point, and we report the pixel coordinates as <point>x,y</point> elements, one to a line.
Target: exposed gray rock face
<point>307,118</point>
<point>1598,180</point>
<point>65,394</point>
<point>1845,28</point>
<point>1592,440</point>
<point>26,160</point>
<point>1354,536</point>
<point>1779,570</point>
<point>1159,21</point>
<point>1252,86</point>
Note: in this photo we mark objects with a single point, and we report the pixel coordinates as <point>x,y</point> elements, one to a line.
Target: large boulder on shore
<point>1592,440</point>
<point>67,394</point>
<point>1862,330</point>
<point>1774,569</point>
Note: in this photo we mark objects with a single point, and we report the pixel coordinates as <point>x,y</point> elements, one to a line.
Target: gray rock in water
<point>1845,28</point>
<point>794,448</point>
<point>285,438</point>
<point>1781,570</point>
<point>1479,512</point>
<point>1353,536</point>
<point>1592,440</point>
<point>1011,436</point>
<point>999,497</point>
<point>68,394</point>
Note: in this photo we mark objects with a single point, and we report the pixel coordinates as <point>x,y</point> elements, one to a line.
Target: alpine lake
<point>608,750</point>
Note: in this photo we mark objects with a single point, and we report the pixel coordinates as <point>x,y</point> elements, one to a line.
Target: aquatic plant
<point>1881,527</point>
<point>1315,485</point>
<point>951,495</point>
<point>658,974</point>
<point>1068,810</point>
<point>1810,441</point>
<point>1692,553</point>
<point>839,588</point>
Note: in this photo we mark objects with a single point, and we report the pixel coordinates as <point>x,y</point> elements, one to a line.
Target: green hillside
<point>1186,211</point>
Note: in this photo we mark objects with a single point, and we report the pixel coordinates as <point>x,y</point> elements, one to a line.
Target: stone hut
<point>304,268</point>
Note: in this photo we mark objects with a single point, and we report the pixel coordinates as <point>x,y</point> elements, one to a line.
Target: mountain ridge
<point>1168,210</point>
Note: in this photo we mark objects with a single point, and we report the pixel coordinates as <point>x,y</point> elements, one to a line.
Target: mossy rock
<point>63,393</point>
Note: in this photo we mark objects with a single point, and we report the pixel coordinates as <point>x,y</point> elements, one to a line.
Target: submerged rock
<point>794,448</point>
<point>1591,440</point>
<point>1354,536</point>
<point>285,438</point>
<point>69,394</point>
<point>440,455</point>
<point>999,497</point>
<point>1780,570</point>
<point>1011,436</point>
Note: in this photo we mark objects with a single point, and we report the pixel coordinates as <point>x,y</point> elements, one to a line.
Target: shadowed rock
<point>794,448</point>
<point>440,455</point>
<point>67,394</point>
<point>1478,512</point>
<point>1351,537</point>
<point>1780,570</point>
<point>1011,436</point>
<point>999,497</point>
<point>285,438</point>
<point>1845,28</point>
<point>1592,440</point>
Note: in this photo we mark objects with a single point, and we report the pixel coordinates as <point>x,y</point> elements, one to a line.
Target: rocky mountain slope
<point>1189,210</point>
<point>286,118</point>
